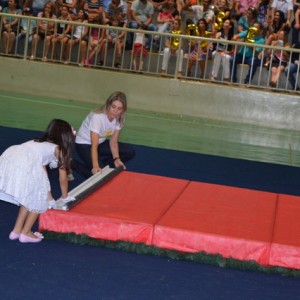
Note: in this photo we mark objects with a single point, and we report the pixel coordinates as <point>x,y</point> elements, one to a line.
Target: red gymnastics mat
<point>189,217</point>
<point>126,208</point>
<point>285,249</point>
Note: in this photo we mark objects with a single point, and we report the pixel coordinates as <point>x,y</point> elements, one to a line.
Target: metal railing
<point>194,59</point>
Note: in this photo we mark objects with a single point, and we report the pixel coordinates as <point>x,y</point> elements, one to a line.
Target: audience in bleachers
<point>53,39</point>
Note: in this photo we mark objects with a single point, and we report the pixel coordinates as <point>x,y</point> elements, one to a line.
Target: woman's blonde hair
<point>120,96</point>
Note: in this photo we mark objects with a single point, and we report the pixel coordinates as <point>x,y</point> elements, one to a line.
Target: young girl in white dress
<point>24,180</point>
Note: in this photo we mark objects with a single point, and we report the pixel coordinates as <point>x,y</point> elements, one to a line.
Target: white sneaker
<point>52,204</point>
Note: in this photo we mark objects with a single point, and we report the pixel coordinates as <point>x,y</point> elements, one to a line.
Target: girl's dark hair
<point>231,30</point>
<point>281,20</point>
<point>204,21</point>
<point>60,132</point>
<point>49,3</point>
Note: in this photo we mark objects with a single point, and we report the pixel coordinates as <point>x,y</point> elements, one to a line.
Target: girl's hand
<point>68,199</point>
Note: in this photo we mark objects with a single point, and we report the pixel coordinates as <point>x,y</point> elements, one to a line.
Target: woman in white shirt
<point>92,143</point>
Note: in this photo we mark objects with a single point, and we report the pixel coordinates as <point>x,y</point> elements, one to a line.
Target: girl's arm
<point>94,152</point>
<point>4,20</point>
<point>114,148</point>
<point>86,30</point>
<point>63,181</point>
<point>63,178</point>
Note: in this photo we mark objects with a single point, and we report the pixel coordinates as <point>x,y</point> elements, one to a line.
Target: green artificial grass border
<point>199,257</point>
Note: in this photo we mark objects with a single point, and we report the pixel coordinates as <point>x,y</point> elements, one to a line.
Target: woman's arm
<point>94,152</point>
<point>114,148</point>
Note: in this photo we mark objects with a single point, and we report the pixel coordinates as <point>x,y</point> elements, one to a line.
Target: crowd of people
<point>256,22</point>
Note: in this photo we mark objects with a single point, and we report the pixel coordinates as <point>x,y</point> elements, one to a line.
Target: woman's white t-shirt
<point>98,123</point>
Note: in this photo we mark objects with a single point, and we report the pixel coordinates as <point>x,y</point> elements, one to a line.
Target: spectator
<point>248,55</point>
<point>248,20</point>
<point>198,50</point>
<point>139,51</point>
<point>70,4</point>
<point>10,26</point>
<point>79,36</point>
<point>164,21</point>
<point>158,4</point>
<point>173,46</point>
<point>201,12</point>
<point>279,58</point>
<point>222,6</point>
<point>244,5</point>
<point>37,6</point>
<point>45,31</point>
<point>116,9</point>
<point>26,27</point>
<point>264,12</point>
<point>94,9</point>
<point>142,12</point>
<point>223,51</point>
<point>174,9</point>
<point>293,68</point>
<point>115,38</point>
<point>286,6</point>
<point>96,40</point>
<point>63,33</point>
<point>275,25</point>
<point>235,12</point>
<point>296,27</point>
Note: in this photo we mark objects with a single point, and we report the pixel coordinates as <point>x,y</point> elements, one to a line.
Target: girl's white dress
<point>23,178</point>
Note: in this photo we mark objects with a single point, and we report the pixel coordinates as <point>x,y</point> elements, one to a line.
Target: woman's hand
<point>96,170</point>
<point>119,163</point>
